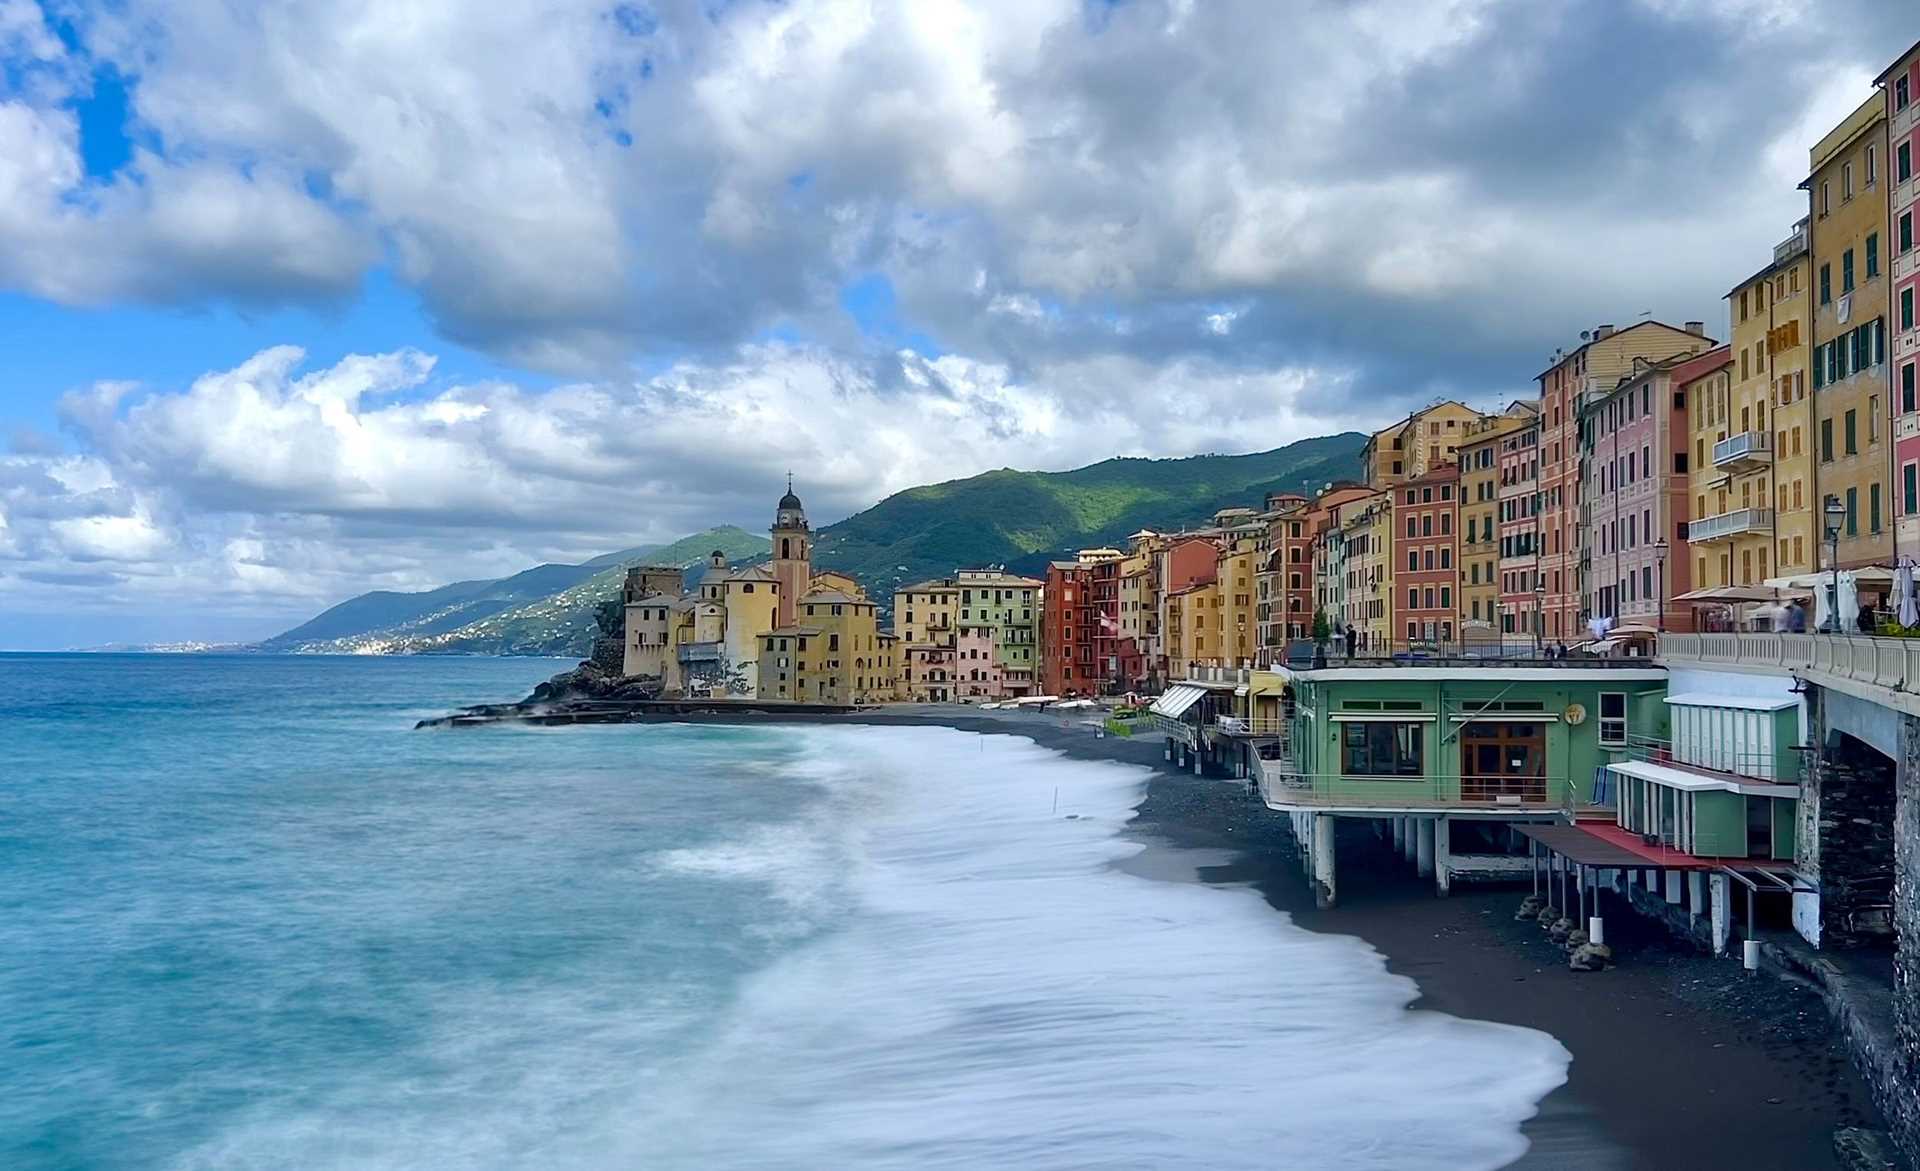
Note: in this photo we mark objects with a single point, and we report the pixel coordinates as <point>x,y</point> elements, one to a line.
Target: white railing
<point>1791,246</point>
<point>1252,726</point>
<point>1727,524</point>
<point>1238,676</point>
<point>1746,447</point>
<point>1892,663</point>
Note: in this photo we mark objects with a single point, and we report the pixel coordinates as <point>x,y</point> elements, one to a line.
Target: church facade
<point>773,631</point>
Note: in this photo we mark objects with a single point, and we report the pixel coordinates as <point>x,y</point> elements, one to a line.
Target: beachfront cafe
<point>1443,756</point>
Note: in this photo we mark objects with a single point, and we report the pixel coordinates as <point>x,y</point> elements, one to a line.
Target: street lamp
<point>1660,548</point>
<point>1539,605</point>
<point>1836,512</point>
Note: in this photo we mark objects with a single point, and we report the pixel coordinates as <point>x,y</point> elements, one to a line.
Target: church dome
<point>790,501</point>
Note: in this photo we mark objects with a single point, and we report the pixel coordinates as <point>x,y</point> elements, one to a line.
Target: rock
<point>1529,908</point>
<point>1591,957</point>
<point>1548,917</point>
<point>1576,939</point>
<point>1560,929</point>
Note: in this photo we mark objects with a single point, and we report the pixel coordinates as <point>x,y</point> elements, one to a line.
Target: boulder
<point>1548,916</point>
<point>1576,939</point>
<point>1591,957</point>
<point>1560,930</point>
<point>1530,908</point>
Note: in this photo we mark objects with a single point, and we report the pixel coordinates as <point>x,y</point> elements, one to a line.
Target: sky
<point>301,298</point>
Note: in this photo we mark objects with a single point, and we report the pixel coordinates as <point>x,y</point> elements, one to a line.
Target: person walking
<point>1352,638</point>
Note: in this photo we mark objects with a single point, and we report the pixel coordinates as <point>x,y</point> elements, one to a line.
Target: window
<point>1613,718</point>
<point>1853,512</point>
<point>1873,419</point>
<point>1853,447</point>
<point>1899,94</point>
<point>1846,271</point>
<point>1374,748</point>
<point>1873,507</point>
<point>1903,163</point>
<point>1873,255</point>
<point>1907,388</point>
<point>1826,196</point>
<point>1826,441</point>
<point>1846,181</point>
<point>1826,284</point>
<point>1906,231</point>
<point>1906,307</point>
<point>1910,488</point>
<point>1873,167</point>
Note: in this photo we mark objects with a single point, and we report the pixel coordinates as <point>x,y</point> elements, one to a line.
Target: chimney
<point>1600,331</point>
<point>1697,328</point>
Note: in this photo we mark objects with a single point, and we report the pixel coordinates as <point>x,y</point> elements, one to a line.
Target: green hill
<point>1017,519</point>
<point>547,610</point>
<point>1024,519</point>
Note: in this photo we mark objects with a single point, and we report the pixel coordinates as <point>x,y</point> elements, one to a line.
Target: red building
<point>1522,588</point>
<point>1081,647</point>
<point>1426,515</point>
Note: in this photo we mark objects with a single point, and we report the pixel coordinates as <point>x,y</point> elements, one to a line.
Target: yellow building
<point>1193,625</point>
<point>1416,444</point>
<point>1752,422</point>
<point>1235,632</point>
<point>1366,566</point>
<point>832,654</point>
<point>924,620</point>
<point>649,628</point>
<point>1478,585</point>
<point>1849,243</point>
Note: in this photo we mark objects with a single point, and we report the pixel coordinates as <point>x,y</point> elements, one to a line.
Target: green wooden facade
<point>1424,736</point>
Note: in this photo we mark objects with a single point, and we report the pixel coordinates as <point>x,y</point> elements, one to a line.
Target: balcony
<point>1749,451</point>
<point>1793,245</point>
<point>1731,524</point>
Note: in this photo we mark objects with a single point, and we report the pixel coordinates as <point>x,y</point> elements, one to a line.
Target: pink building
<point>1635,494</point>
<point>1901,84</point>
<point>1522,604</point>
<point>976,672</point>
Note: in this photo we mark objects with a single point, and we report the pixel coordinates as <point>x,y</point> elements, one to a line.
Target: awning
<point>1584,848</point>
<point>1751,703</point>
<point>1677,778</point>
<point>1739,594</point>
<point>1868,575</point>
<point>1176,701</point>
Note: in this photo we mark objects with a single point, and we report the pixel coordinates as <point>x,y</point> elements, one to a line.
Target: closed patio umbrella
<point>1903,591</point>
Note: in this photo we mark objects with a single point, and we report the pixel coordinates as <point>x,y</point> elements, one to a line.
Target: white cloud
<point>275,487</point>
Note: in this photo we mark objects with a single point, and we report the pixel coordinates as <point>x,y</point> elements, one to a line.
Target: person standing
<point>1352,637</point>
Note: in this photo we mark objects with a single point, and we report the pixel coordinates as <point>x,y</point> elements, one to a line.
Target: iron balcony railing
<point>1731,524</point>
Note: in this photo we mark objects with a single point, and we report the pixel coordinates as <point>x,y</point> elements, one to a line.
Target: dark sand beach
<point>1679,1060</point>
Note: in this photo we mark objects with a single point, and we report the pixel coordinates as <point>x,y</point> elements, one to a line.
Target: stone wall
<point>1848,819</point>
<point>1905,1123</point>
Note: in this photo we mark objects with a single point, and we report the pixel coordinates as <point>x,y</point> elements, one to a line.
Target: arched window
<point>784,550</point>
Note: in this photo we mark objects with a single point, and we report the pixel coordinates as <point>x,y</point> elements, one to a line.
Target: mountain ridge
<point>1005,516</point>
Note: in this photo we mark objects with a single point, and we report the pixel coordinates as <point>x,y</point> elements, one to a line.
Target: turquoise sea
<point>250,918</point>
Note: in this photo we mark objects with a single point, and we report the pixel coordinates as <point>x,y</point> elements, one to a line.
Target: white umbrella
<point>1903,589</point>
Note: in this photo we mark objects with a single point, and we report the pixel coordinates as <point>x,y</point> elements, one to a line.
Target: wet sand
<point>1679,1060</point>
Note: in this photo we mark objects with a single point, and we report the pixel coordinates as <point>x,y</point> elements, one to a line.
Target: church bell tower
<point>792,553</point>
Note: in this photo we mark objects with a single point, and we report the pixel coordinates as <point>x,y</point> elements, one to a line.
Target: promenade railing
<point>1891,663</point>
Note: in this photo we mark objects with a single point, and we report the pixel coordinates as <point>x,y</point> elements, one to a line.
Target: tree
<point>1322,629</point>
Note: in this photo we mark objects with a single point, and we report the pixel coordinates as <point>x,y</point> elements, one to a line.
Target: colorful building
<point>1849,241</point>
<point>1478,558</point>
<point>1522,590</point>
<point>1635,494</point>
<point>833,654</point>
<point>1425,544</point>
<point>1595,366</point>
<point>1897,87</point>
<point>1416,444</point>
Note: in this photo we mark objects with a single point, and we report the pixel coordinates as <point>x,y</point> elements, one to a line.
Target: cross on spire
<point>789,481</point>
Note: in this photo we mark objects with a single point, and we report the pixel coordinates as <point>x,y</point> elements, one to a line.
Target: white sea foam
<point>969,983</point>
<point>1004,998</point>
